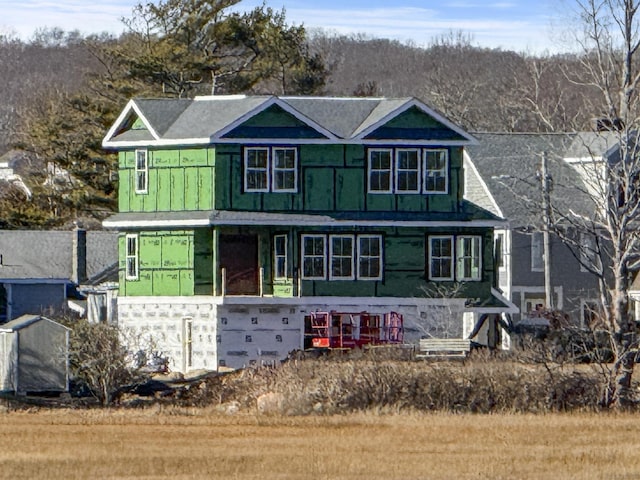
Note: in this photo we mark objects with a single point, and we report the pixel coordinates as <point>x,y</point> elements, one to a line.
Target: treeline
<point>61,91</point>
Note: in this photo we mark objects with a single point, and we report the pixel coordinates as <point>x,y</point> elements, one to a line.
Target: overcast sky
<point>520,25</point>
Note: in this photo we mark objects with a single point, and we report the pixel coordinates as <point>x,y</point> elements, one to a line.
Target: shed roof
<point>24,321</point>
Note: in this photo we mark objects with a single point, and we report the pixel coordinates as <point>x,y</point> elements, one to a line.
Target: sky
<point>520,25</point>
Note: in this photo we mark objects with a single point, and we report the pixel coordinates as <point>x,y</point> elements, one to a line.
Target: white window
<point>441,258</point>
<point>468,256</point>
<point>285,172</point>
<point>256,170</point>
<point>436,171</point>
<point>142,172</point>
<point>280,256</point>
<point>537,252</point>
<point>341,253</point>
<point>370,257</point>
<point>313,257</point>
<point>271,169</point>
<point>380,167</point>
<point>407,170</point>
<point>131,261</point>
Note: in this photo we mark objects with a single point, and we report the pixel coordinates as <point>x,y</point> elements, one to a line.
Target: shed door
<point>239,256</point>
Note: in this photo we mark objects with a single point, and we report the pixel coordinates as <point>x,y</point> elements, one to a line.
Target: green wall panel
<point>382,202</point>
<point>166,283</point>
<point>405,253</point>
<point>349,190</point>
<point>355,156</point>
<point>164,190</point>
<point>150,252</point>
<point>191,194</point>
<point>205,188</point>
<point>319,189</point>
<point>177,251</point>
<point>194,157</point>
<point>177,189</point>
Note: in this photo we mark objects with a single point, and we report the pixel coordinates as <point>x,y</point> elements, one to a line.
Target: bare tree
<point>610,41</point>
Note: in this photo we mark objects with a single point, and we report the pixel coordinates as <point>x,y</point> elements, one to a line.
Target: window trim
<point>276,256</point>
<point>135,257</point>
<point>451,257</point>
<point>398,170</point>
<point>426,170</point>
<point>270,169</point>
<point>332,256</point>
<point>460,257</point>
<point>141,173</point>
<point>275,169</point>
<point>378,170</point>
<point>380,256</point>
<point>304,256</point>
<point>248,169</point>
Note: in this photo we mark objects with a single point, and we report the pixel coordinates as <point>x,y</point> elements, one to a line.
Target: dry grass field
<point>173,443</point>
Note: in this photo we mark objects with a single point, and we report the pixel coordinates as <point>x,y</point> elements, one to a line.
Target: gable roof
<point>205,120</point>
<point>47,256</point>
<point>508,163</point>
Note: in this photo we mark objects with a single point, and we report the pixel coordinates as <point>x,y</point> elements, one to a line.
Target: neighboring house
<point>8,163</point>
<point>507,165</point>
<point>239,216</point>
<point>34,355</point>
<point>40,270</point>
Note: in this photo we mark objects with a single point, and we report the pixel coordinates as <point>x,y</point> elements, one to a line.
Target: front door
<point>239,257</point>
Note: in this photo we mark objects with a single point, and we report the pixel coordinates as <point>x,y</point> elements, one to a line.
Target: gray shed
<point>34,355</point>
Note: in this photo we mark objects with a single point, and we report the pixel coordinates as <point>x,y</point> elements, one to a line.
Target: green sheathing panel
<point>274,122</point>
<point>405,269</point>
<point>330,178</point>
<point>414,124</point>
<point>203,261</point>
<point>179,179</point>
<point>166,264</point>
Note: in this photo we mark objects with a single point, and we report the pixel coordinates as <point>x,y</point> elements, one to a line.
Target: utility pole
<point>546,219</point>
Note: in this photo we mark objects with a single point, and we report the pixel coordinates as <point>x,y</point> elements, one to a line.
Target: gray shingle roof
<point>47,255</point>
<point>509,163</point>
<point>204,118</point>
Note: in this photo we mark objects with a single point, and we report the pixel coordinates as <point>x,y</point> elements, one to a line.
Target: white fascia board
<point>131,105</point>
<point>212,142</point>
<point>156,223</point>
<point>470,139</point>
<point>125,224</point>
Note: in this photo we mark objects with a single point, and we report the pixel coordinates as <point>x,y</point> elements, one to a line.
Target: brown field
<point>174,443</point>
